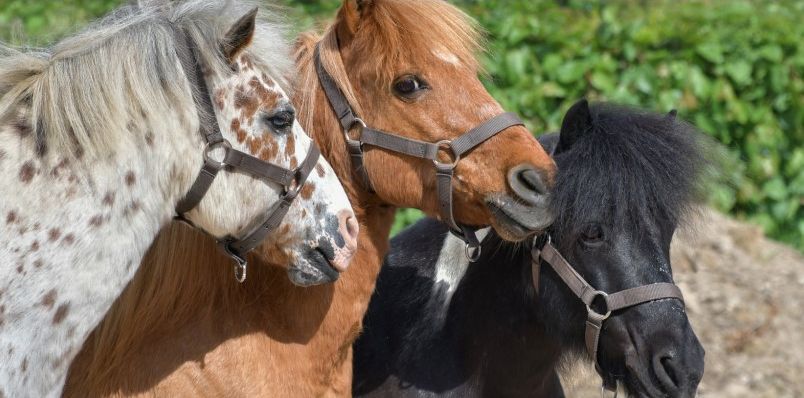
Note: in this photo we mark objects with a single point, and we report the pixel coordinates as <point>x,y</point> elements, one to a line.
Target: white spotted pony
<point>99,142</point>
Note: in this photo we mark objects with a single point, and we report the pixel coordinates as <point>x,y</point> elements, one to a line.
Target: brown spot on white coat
<point>307,190</point>
<point>27,172</point>
<point>69,239</point>
<point>130,178</point>
<point>49,299</point>
<point>96,220</point>
<point>61,313</point>
<point>108,199</point>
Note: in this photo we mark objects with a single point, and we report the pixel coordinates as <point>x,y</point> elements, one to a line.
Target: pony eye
<point>409,87</point>
<point>592,234</point>
<point>282,120</point>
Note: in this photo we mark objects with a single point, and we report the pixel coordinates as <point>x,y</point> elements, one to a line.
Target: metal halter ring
<point>448,144</point>
<point>603,390</point>
<point>358,121</point>
<point>589,309</point>
<point>468,251</point>
<point>210,146</point>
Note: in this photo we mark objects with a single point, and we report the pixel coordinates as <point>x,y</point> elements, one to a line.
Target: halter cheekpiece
<point>424,150</point>
<point>290,180</point>
<point>592,297</point>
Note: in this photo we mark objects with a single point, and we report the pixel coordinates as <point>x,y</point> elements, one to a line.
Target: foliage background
<point>735,68</point>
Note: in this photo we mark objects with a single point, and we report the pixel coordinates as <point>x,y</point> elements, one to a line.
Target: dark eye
<point>282,120</point>
<point>592,234</point>
<point>409,87</point>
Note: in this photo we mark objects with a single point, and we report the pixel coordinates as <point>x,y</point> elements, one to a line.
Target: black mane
<point>645,165</point>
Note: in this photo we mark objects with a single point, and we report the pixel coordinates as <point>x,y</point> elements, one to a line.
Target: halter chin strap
<point>587,294</point>
<point>290,180</point>
<point>445,171</point>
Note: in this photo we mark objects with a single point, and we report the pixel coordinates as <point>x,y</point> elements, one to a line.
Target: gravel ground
<point>745,297</point>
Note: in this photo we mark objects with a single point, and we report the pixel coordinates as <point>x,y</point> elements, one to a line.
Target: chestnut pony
<point>406,67</point>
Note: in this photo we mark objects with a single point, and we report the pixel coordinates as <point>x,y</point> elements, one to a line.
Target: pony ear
<point>672,114</point>
<point>349,18</point>
<point>239,35</point>
<point>577,122</point>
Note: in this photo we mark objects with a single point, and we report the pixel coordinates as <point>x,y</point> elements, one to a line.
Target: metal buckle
<point>468,251</point>
<point>590,311</point>
<point>210,146</point>
<point>444,144</point>
<point>357,121</point>
<point>603,390</point>
<point>241,265</point>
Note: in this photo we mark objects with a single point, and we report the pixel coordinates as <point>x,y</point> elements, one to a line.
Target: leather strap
<point>347,119</point>
<point>290,180</point>
<point>587,294</point>
<point>411,147</point>
<point>245,244</point>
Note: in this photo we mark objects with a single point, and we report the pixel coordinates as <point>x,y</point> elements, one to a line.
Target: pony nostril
<point>528,183</point>
<point>353,230</point>
<point>349,229</point>
<point>665,369</point>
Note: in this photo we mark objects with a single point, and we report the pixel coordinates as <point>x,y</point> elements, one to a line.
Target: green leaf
<point>603,81</point>
<point>775,188</point>
<point>711,52</point>
<point>739,71</point>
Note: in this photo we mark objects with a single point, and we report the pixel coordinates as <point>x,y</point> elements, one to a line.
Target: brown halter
<point>587,294</point>
<point>414,148</point>
<point>290,180</point>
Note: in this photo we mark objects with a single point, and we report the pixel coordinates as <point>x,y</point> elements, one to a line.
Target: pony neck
<point>76,230</point>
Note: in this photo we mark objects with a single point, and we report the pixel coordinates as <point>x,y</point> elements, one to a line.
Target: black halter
<point>415,148</point>
<point>290,180</point>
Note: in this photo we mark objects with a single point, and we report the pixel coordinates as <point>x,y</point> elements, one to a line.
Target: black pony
<point>438,326</point>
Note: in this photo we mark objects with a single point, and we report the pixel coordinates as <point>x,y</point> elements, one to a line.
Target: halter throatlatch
<point>290,180</point>
<point>445,171</point>
<point>587,294</point>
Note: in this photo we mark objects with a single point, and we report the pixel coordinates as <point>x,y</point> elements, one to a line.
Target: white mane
<point>90,91</point>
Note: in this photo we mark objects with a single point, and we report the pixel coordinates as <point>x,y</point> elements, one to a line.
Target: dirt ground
<point>745,297</point>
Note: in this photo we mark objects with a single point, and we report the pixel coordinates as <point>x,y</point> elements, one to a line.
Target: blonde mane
<point>121,73</point>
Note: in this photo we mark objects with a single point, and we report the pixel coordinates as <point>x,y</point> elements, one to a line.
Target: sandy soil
<point>745,298</point>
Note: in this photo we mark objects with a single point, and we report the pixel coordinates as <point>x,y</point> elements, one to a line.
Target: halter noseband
<point>415,148</point>
<point>290,180</point>
<point>587,294</point>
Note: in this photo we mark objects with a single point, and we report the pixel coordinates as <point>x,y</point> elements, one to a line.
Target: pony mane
<point>632,166</point>
<point>121,73</point>
<point>392,32</point>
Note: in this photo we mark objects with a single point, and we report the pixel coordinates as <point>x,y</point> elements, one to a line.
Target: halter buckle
<point>210,146</point>
<point>447,144</point>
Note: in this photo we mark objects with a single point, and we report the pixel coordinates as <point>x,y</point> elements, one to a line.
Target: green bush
<point>39,22</point>
<point>734,68</point>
